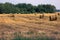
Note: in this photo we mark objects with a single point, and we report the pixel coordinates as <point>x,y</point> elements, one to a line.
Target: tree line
<point>26,8</point>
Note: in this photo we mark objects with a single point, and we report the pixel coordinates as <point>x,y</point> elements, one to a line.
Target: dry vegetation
<point>16,26</point>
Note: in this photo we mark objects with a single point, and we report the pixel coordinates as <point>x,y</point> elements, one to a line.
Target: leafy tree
<point>26,8</point>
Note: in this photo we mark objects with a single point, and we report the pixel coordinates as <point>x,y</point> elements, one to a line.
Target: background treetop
<point>26,8</point>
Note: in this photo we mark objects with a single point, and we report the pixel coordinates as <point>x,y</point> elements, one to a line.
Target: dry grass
<point>28,25</point>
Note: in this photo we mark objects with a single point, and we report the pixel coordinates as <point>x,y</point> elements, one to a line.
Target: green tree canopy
<point>26,8</point>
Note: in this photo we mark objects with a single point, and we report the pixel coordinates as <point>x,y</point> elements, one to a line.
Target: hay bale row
<point>11,15</point>
<point>41,16</point>
<point>53,18</point>
<point>58,13</point>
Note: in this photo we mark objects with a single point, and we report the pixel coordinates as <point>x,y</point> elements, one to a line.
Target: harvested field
<point>30,26</point>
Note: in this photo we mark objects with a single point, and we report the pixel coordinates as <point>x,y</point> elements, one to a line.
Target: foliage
<point>26,8</point>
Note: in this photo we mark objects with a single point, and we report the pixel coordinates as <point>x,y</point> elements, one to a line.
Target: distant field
<point>15,26</point>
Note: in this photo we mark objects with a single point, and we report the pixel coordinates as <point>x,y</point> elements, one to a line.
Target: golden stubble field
<point>28,25</point>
